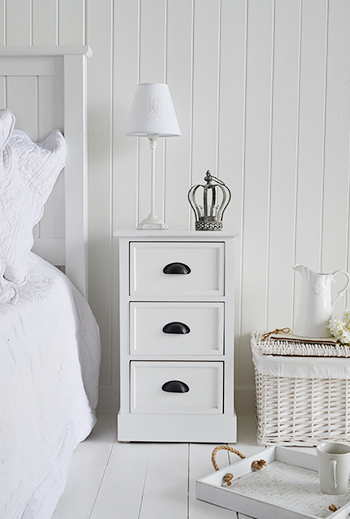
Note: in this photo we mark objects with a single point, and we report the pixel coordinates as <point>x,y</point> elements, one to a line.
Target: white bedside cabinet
<point>176,336</point>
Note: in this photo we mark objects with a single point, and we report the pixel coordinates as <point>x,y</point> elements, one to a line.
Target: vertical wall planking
<point>205,88</point>
<point>311,137</point>
<point>231,105</point>
<point>231,113</point>
<point>231,135</point>
<point>3,31</point>
<point>152,39</point>
<point>100,78</point>
<point>126,77</point>
<point>179,79</point>
<point>125,154</point>
<point>152,65</point>
<point>335,223</point>
<point>257,173</point>
<point>311,133</point>
<point>71,22</point>
<point>19,28</point>
<point>284,163</point>
<point>45,22</point>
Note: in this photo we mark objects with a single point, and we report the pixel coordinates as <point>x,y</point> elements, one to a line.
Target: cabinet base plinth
<point>177,428</point>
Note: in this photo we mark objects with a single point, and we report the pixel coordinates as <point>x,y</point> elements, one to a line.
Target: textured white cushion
<point>28,172</point>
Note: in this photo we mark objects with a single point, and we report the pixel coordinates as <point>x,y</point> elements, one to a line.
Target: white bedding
<point>49,366</point>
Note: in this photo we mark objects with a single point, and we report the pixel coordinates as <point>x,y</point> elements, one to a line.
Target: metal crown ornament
<point>210,212</point>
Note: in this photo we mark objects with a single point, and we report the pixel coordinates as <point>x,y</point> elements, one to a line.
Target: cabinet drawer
<point>177,328</point>
<point>154,387</point>
<point>165,269</point>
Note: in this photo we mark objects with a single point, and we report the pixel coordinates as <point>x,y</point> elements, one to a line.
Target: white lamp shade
<point>152,112</point>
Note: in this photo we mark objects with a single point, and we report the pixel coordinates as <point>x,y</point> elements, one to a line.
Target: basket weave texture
<point>300,411</point>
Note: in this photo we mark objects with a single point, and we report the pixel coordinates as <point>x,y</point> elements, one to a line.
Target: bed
<point>49,338</point>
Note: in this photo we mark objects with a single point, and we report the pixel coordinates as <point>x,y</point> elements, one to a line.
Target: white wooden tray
<point>288,488</point>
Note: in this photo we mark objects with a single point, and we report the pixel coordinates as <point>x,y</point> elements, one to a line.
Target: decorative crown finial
<point>209,214</point>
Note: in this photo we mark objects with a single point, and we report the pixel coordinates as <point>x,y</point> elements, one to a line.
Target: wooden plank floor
<point>112,480</point>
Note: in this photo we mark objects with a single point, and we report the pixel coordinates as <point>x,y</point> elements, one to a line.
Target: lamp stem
<point>153,145</point>
<point>152,221</point>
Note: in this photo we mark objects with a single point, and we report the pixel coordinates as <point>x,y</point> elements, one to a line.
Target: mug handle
<point>333,474</point>
<point>341,292</point>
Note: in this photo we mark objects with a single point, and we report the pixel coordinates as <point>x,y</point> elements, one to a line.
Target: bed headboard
<point>45,88</point>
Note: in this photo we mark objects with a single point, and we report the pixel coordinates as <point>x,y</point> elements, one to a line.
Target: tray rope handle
<point>227,479</point>
<point>226,448</point>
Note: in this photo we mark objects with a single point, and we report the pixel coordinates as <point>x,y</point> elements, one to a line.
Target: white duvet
<point>49,365</point>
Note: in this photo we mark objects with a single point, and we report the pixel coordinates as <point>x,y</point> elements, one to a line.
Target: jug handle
<point>341,292</point>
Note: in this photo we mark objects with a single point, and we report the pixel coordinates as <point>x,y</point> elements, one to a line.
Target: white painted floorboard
<point>112,480</point>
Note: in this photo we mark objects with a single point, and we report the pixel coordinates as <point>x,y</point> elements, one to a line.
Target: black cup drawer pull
<point>175,327</point>
<point>175,386</point>
<point>176,268</point>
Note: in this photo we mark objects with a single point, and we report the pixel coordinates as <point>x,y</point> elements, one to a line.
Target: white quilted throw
<point>28,172</point>
<point>49,359</point>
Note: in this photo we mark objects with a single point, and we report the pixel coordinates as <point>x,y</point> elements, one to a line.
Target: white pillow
<point>28,172</point>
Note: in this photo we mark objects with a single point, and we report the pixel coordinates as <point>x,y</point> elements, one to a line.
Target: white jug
<point>316,305</point>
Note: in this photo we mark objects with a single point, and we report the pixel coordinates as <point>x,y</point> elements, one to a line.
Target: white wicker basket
<point>298,410</point>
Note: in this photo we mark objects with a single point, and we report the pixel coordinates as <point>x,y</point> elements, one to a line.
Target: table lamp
<point>152,115</point>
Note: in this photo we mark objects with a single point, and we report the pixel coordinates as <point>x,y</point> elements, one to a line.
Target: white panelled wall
<point>262,93</point>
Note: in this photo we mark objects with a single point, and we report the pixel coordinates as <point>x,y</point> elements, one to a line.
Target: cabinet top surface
<point>164,234</point>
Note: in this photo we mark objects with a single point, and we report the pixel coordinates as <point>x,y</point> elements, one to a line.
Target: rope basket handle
<point>226,448</point>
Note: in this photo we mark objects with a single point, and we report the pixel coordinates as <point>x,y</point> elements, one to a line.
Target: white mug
<point>334,467</point>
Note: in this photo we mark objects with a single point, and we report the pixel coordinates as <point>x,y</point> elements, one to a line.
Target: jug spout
<point>302,269</point>
<point>299,268</point>
<point>308,276</point>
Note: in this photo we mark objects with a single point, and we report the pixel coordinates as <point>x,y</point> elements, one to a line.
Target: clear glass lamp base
<point>152,222</point>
